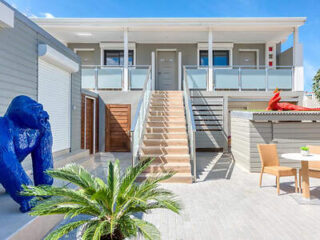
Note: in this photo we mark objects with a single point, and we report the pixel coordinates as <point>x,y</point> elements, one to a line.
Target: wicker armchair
<point>270,165</point>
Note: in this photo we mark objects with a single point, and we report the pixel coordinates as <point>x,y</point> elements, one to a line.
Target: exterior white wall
<point>6,16</point>
<point>311,101</point>
<point>298,69</point>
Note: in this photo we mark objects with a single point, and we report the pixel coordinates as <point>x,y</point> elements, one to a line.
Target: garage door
<point>54,92</point>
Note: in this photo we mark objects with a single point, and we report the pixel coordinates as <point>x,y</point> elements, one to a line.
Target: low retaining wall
<point>289,130</point>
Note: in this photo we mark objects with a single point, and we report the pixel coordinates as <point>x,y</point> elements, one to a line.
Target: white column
<point>179,70</point>
<point>210,62</point>
<point>153,70</point>
<point>298,74</point>
<point>125,61</point>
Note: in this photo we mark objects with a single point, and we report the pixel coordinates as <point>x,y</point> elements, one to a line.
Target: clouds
<point>26,10</point>
<point>47,15</point>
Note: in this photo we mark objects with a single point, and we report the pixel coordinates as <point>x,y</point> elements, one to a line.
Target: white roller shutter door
<point>54,93</point>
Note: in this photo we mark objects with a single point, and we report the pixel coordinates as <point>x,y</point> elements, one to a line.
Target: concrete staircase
<point>165,137</point>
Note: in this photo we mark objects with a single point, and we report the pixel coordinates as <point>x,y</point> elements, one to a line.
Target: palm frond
<point>113,182</point>
<point>112,204</point>
<point>127,226</point>
<point>73,195</point>
<point>100,230</point>
<point>131,175</point>
<point>89,229</point>
<point>75,174</point>
<point>148,230</point>
<point>55,235</point>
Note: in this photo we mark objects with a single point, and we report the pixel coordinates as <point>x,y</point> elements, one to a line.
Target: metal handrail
<point>136,115</point>
<point>190,124</point>
<point>140,114</point>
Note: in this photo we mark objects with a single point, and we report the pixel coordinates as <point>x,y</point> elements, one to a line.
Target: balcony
<point>239,78</point>
<point>112,77</point>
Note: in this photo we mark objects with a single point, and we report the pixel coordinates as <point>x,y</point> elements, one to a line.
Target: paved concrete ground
<point>227,203</point>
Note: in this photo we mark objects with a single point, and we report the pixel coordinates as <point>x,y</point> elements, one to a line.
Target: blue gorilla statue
<point>24,129</point>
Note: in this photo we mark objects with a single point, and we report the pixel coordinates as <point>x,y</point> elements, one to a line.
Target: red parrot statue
<point>274,105</point>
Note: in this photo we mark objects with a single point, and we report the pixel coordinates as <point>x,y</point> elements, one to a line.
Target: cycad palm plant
<point>111,205</point>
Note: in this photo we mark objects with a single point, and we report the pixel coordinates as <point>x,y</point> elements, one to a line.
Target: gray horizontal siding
<point>18,63</point>
<point>289,137</point>
<point>19,68</point>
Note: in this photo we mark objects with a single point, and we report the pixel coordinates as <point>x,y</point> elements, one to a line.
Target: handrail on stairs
<point>191,126</point>
<point>138,126</point>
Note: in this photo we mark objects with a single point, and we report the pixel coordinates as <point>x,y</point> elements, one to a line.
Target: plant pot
<point>82,229</point>
<point>304,152</point>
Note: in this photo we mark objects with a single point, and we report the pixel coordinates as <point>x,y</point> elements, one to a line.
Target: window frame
<point>216,46</point>
<point>120,54</point>
<point>227,51</point>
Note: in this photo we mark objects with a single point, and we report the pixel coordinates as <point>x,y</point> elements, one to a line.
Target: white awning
<point>171,30</point>
<point>50,55</point>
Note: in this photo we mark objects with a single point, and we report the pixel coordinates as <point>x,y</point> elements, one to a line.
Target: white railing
<point>101,77</point>
<point>138,126</point>
<point>241,77</point>
<point>191,126</point>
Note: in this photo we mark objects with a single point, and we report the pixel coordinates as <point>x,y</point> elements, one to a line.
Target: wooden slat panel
<point>118,123</point>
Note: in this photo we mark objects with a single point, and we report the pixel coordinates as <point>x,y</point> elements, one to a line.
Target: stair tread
<point>167,140</point>
<point>165,155</point>
<point>168,127</point>
<point>171,164</point>
<point>177,175</point>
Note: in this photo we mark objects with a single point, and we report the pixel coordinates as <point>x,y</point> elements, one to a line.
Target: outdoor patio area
<point>227,203</point>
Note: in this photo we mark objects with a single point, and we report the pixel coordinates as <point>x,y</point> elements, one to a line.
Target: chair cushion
<point>280,170</point>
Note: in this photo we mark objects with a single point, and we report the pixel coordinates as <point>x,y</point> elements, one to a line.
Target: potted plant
<point>111,205</point>
<point>304,151</point>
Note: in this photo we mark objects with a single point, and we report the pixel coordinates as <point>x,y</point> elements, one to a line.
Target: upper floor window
<point>220,58</point>
<point>115,57</point>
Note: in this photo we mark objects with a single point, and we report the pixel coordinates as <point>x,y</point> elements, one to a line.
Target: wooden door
<point>87,123</point>
<point>118,124</point>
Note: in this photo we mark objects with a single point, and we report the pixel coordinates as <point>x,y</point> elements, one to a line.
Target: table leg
<point>305,179</point>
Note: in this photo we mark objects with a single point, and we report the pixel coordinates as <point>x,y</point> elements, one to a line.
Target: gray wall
<point>19,67</point>
<point>189,52</point>
<point>93,56</point>
<point>289,137</point>
<point>115,97</point>
<point>285,58</point>
<point>236,48</point>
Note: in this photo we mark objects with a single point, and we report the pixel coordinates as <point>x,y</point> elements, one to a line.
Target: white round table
<point>304,168</point>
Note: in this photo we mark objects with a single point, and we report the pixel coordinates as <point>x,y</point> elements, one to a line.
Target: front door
<point>248,59</point>
<point>167,70</point>
<point>87,123</point>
